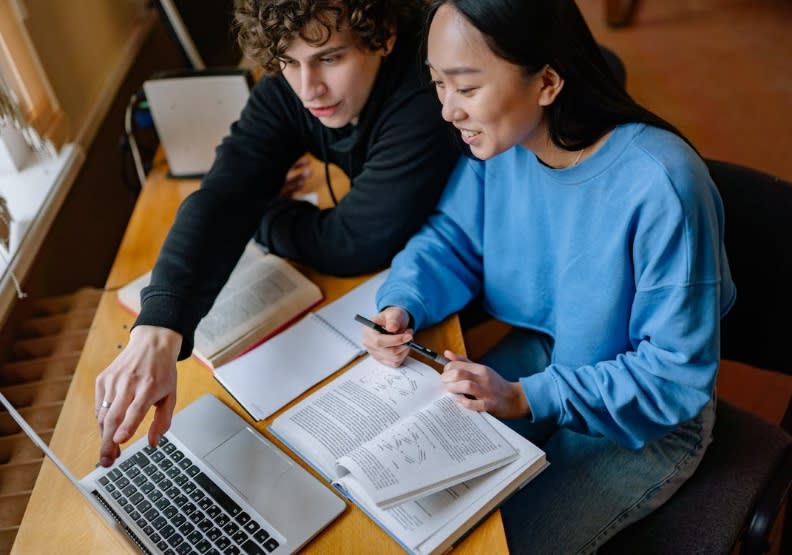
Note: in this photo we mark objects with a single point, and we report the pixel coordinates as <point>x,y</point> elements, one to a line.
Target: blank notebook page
<point>277,371</point>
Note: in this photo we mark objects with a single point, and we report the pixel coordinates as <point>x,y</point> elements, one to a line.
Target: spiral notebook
<point>266,378</point>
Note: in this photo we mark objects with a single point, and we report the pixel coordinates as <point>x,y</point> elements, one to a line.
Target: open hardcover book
<point>263,294</point>
<point>395,443</point>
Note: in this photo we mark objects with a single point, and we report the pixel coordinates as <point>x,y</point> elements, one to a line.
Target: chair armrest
<point>756,537</point>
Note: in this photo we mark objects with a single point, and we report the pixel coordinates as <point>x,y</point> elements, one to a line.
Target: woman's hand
<point>480,388</point>
<point>142,375</point>
<point>389,349</point>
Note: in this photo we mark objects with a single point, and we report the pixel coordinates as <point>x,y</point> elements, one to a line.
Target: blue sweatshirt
<point>620,259</point>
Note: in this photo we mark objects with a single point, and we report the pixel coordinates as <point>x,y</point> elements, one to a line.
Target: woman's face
<point>492,102</point>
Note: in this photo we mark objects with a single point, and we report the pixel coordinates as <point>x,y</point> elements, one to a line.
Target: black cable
<point>329,183</point>
<point>327,171</point>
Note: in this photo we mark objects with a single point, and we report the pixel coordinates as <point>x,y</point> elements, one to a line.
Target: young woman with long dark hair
<point>592,227</point>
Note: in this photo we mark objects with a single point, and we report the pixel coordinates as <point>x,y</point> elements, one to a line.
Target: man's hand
<point>142,375</point>
<point>296,177</point>
<point>389,349</point>
<point>482,389</point>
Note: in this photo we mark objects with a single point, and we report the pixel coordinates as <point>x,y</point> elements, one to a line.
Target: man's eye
<point>329,59</point>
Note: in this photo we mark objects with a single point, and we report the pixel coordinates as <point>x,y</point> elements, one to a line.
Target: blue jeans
<point>593,488</point>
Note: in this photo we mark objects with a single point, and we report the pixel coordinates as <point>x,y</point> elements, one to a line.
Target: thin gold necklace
<point>580,154</point>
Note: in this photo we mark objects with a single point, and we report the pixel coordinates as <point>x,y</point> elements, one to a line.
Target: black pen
<point>417,347</point>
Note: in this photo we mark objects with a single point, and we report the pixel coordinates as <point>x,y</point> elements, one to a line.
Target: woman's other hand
<point>480,388</point>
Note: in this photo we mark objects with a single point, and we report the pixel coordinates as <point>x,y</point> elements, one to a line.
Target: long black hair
<point>536,33</point>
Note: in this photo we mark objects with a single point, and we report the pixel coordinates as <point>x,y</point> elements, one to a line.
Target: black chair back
<point>747,470</point>
<point>758,239</point>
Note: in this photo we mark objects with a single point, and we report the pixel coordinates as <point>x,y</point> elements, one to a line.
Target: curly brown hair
<point>266,28</point>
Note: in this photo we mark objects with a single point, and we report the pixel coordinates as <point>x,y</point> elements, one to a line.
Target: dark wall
<point>210,27</point>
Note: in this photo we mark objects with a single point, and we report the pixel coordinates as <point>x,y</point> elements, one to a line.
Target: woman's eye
<point>467,91</point>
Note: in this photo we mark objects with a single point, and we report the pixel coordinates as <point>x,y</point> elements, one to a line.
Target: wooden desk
<point>59,520</point>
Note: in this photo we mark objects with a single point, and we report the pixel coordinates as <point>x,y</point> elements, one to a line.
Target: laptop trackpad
<point>249,464</point>
<point>292,501</point>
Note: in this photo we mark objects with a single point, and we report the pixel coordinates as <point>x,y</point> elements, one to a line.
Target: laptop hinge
<point>129,532</point>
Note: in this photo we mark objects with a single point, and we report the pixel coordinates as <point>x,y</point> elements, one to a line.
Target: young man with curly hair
<point>344,84</point>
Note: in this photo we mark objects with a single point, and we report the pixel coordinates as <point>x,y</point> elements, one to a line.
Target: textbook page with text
<point>396,443</point>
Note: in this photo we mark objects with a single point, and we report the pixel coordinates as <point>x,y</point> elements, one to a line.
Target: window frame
<point>23,72</point>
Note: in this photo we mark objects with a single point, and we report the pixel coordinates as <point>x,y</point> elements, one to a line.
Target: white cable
<point>130,135</point>
<point>182,35</point>
<point>20,294</point>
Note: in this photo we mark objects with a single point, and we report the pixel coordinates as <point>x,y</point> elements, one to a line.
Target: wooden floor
<point>720,70</point>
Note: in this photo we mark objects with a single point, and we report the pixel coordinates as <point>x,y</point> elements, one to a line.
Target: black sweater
<point>398,158</point>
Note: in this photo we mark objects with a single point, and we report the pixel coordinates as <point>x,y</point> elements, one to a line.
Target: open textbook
<point>266,378</point>
<point>263,294</point>
<point>395,443</point>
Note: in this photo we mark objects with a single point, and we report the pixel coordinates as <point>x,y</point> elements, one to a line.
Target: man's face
<point>333,80</point>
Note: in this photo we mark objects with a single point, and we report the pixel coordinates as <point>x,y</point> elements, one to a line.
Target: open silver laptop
<point>193,111</point>
<point>212,485</point>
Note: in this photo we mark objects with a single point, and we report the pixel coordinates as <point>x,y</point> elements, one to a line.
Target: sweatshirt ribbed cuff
<point>162,311</point>
<point>542,394</point>
<point>415,309</point>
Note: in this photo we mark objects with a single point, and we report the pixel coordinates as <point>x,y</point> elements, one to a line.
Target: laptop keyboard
<point>180,508</point>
